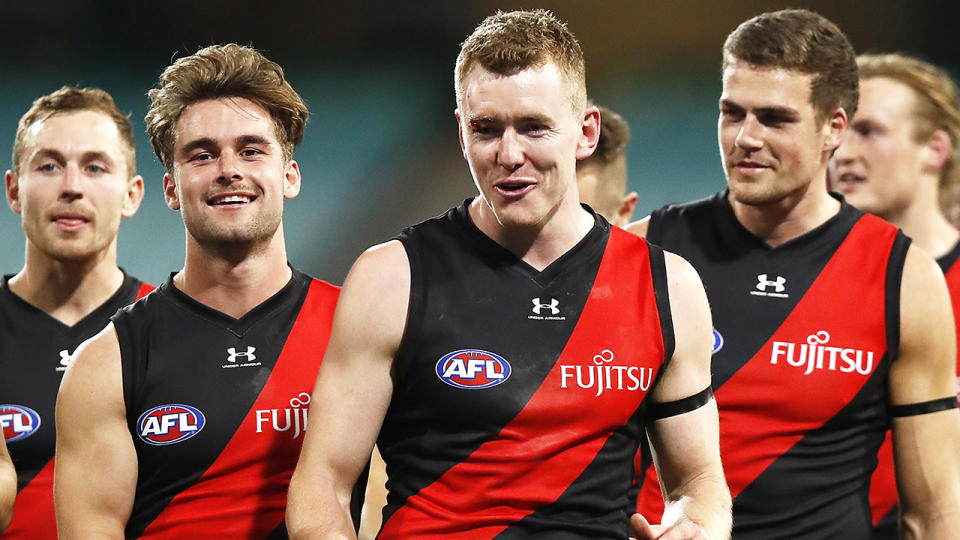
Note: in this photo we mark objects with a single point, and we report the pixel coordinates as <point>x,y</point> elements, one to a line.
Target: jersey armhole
<point>129,374</point>
<point>415,303</point>
<point>658,271</point>
<point>894,277</point>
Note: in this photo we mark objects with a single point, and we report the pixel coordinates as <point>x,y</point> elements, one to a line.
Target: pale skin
<point>8,486</point>
<point>603,185</point>
<point>925,446</point>
<point>884,168</point>
<point>72,189</point>
<point>516,139</point>
<point>223,148</point>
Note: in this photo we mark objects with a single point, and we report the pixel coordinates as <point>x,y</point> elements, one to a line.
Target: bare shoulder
<point>380,265</point>
<point>639,228</point>
<point>96,363</point>
<point>92,387</point>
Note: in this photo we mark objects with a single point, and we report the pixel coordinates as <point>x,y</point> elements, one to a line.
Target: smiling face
<point>521,139</point>
<point>771,143</point>
<point>880,162</point>
<point>74,186</point>
<point>229,176</point>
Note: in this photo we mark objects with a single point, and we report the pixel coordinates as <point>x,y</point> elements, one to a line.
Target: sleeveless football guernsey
<point>517,392</point>
<point>883,484</point>
<point>217,407</point>
<point>34,351</point>
<point>804,337</point>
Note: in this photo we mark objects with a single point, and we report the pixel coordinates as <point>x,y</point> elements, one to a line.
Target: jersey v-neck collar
<point>595,237</point>
<point>241,325</point>
<point>128,288</point>
<point>828,232</point>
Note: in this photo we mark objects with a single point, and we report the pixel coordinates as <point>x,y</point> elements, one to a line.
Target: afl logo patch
<point>168,424</point>
<point>473,368</point>
<point>18,422</point>
<point>717,341</point>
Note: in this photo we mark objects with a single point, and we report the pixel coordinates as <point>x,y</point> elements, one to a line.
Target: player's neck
<point>923,222</point>
<point>67,290</point>
<point>234,280</point>
<point>538,245</point>
<point>790,217</point>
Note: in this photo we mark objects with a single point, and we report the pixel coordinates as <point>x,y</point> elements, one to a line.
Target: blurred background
<point>381,148</point>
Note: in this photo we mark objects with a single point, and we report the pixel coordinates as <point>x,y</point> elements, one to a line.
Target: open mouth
<point>230,200</point>
<point>514,188</point>
<point>850,179</point>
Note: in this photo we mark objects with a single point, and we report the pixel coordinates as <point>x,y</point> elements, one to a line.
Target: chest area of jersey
<point>210,384</point>
<point>581,341</point>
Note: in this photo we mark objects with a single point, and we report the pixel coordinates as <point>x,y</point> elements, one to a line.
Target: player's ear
<point>291,180</point>
<point>133,197</point>
<point>13,190</point>
<point>170,192</point>
<point>938,150</point>
<point>835,127</point>
<point>590,132</point>
<point>625,212</point>
<point>463,148</point>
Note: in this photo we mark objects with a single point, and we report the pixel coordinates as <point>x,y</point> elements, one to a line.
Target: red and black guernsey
<point>217,407</point>
<point>518,393</point>
<point>34,353</point>
<point>804,337</point>
<point>883,484</point>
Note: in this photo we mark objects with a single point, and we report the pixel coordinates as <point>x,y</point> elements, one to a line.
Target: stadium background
<point>381,149</point>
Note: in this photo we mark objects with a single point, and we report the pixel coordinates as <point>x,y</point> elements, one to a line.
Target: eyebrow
<point>85,157</point>
<point>780,111</point>
<point>484,119</point>
<point>207,142</point>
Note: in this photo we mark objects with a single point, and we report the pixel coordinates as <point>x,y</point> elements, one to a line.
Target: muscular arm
<point>639,228</point>
<point>96,473</point>
<point>686,447</point>
<point>8,486</point>
<point>352,393</point>
<point>926,446</point>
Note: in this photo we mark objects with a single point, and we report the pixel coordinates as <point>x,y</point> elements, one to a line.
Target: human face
<point>230,176</point>
<point>771,144</point>
<point>73,187</point>
<point>522,139</point>
<point>879,162</point>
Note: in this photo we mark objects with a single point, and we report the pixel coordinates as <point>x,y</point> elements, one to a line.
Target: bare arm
<point>375,498</point>
<point>686,447</point>
<point>352,393</point>
<point>639,228</point>
<point>96,473</point>
<point>926,446</point>
<point>8,486</point>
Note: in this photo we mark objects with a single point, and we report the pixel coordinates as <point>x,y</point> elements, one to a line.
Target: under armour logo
<point>552,306</point>
<point>248,356</point>
<point>64,358</point>
<point>778,284</point>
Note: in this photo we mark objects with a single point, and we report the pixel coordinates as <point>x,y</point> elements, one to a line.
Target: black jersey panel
<point>470,294</point>
<point>191,375</point>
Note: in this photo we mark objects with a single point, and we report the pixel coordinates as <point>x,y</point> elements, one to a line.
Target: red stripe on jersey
<point>33,516</point>
<point>244,492</point>
<point>883,483</point>
<point>535,457</point>
<point>767,407</point>
<point>145,289</point>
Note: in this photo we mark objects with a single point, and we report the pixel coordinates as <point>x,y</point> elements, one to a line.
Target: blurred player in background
<point>602,177</point>
<point>900,160</point>
<point>73,180</point>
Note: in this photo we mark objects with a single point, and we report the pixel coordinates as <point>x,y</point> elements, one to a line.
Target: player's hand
<point>684,530</point>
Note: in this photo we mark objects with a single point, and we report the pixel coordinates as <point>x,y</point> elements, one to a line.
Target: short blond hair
<point>71,99</point>
<point>509,42</point>
<point>223,71</point>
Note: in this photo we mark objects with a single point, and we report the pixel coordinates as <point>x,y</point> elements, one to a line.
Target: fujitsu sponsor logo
<point>293,418</point>
<point>816,354</point>
<point>602,375</point>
